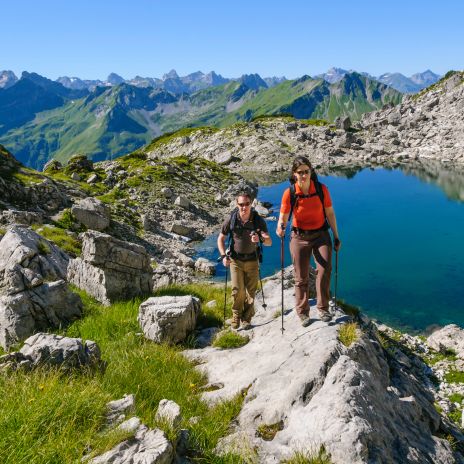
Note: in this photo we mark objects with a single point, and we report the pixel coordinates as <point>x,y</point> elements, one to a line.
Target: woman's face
<point>302,173</point>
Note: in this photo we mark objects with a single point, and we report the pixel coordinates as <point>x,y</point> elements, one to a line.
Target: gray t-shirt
<point>242,232</point>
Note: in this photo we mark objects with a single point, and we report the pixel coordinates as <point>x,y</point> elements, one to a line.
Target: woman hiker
<point>246,228</point>
<point>312,215</point>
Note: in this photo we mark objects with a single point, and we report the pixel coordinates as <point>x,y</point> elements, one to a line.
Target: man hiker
<point>246,229</point>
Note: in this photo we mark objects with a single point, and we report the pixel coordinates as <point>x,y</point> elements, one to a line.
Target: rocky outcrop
<point>450,337</point>
<point>147,446</point>
<point>111,269</point>
<point>12,216</point>
<point>168,318</point>
<point>92,213</point>
<point>53,350</point>
<point>33,294</point>
<point>118,409</point>
<point>361,403</point>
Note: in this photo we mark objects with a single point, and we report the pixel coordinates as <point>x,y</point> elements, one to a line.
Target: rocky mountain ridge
<point>112,121</point>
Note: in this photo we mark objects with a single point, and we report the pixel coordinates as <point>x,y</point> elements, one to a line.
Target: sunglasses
<point>242,205</point>
<point>302,172</point>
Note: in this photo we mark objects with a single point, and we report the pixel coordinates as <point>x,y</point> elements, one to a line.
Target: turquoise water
<point>402,259</point>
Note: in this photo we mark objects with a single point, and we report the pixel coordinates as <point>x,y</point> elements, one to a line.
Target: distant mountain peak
<point>172,74</point>
<point>115,79</point>
<point>253,81</point>
<point>7,79</point>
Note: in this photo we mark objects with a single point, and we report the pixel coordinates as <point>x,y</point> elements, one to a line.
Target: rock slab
<point>111,269</point>
<point>33,295</point>
<point>169,318</point>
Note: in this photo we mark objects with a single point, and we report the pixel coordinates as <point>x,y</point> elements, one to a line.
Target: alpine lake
<point>402,232</point>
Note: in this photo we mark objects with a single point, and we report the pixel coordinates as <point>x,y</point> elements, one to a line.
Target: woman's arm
<point>330,214</point>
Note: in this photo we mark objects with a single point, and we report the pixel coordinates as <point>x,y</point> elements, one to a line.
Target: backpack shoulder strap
<point>293,200</point>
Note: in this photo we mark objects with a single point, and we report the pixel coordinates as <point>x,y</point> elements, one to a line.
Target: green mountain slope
<point>110,122</point>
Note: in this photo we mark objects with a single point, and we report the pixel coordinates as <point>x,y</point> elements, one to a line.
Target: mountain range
<point>41,118</point>
<point>193,82</point>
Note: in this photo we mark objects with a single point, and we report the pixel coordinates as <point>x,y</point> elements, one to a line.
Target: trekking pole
<point>334,298</point>
<point>225,290</point>
<point>264,305</point>
<point>282,270</point>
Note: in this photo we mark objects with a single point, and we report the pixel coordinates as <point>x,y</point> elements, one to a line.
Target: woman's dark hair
<point>300,161</point>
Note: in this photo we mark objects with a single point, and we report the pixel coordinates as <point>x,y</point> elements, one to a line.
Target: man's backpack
<point>236,225</point>
<point>294,197</point>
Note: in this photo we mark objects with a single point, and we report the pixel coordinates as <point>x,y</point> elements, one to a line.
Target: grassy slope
<point>49,417</point>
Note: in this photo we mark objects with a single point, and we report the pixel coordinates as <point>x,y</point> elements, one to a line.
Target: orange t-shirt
<point>307,213</point>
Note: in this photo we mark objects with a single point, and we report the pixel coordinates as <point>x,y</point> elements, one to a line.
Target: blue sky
<point>90,39</point>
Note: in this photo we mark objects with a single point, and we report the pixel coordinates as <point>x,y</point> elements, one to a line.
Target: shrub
<point>348,333</point>
<point>309,457</point>
<point>230,339</point>
<point>43,248</point>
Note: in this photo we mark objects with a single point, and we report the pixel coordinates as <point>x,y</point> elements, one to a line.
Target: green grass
<point>48,417</point>
<point>310,456</point>
<point>268,431</point>
<point>454,376</point>
<point>43,248</point>
<point>435,357</point>
<point>60,237</point>
<point>229,339</point>
<point>348,333</point>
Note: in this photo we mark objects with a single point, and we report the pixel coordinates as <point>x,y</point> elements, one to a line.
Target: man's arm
<point>221,244</point>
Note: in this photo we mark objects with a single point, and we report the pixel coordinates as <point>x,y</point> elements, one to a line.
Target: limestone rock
<point>117,409</point>
<point>357,401</point>
<point>93,213</point>
<point>12,216</point>
<point>343,123</point>
<point>55,350</point>
<point>111,269</point>
<point>168,318</point>
<point>33,295</point>
<point>169,411</point>
<point>146,447</point>
<point>75,176</point>
<point>181,229</point>
<point>205,266</point>
<point>182,201</point>
<point>52,165</point>
<point>450,337</point>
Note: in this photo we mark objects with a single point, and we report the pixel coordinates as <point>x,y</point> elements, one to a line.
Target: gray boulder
<point>33,295</point>
<point>53,350</point>
<point>93,213</point>
<point>181,229</point>
<point>343,123</point>
<point>146,447</point>
<point>110,269</point>
<point>450,337</point>
<point>169,318</point>
<point>205,266</point>
<point>169,412</point>
<point>182,201</point>
<point>12,216</point>
<point>118,409</point>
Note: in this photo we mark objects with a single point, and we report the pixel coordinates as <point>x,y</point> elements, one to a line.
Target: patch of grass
<point>315,122</point>
<point>43,248</point>
<point>268,431</point>
<point>2,231</point>
<point>435,357</point>
<point>277,314</point>
<point>311,456</point>
<point>61,238</point>
<point>454,376</point>
<point>348,333</point>
<point>229,339</point>
<point>47,417</point>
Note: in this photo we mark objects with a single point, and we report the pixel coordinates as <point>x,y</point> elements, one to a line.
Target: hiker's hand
<point>280,231</point>
<point>337,244</point>
<point>254,237</point>
<point>226,261</point>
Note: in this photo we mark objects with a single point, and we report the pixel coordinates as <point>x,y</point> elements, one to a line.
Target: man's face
<point>243,203</point>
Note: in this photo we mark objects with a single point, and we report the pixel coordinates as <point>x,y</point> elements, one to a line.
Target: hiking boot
<point>246,325</point>
<point>325,316</point>
<point>305,321</point>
